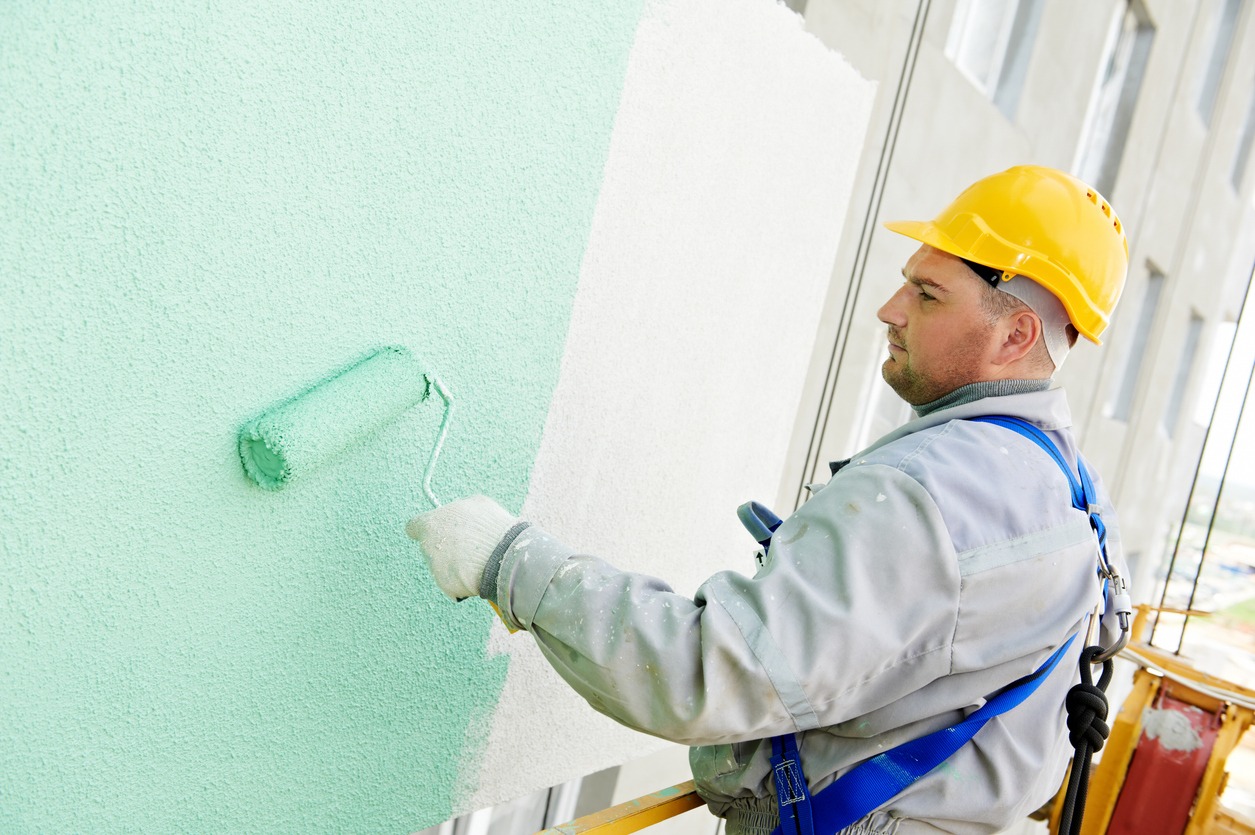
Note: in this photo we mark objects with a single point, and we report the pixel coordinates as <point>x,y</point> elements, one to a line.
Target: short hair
<point>996,304</point>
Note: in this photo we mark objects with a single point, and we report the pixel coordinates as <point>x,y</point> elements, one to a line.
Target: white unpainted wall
<point>729,172</point>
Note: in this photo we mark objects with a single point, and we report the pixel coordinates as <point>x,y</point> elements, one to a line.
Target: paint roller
<point>302,434</point>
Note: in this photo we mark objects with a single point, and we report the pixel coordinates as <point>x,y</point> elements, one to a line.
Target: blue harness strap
<point>874,782</point>
<point>793,796</point>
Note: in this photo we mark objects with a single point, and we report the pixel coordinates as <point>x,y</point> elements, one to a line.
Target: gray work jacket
<point>941,564</point>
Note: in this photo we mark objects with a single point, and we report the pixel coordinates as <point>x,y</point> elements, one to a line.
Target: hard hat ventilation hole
<point>1093,197</point>
<point>1118,227</point>
<point>1106,210</point>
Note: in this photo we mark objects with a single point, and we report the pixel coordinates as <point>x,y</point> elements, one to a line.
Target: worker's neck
<point>978,391</point>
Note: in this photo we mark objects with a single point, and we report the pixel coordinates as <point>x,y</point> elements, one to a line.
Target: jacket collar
<point>1047,410</point>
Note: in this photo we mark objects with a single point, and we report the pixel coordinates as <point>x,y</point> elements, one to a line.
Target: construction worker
<point>935,569</point>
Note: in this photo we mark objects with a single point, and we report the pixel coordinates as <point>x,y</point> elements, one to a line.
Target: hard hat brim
<point>927,232</point>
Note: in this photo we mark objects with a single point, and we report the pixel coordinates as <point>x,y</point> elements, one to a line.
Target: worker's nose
<point>893,312</point>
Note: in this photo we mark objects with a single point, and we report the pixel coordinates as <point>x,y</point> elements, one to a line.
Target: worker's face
<point>940,338</point>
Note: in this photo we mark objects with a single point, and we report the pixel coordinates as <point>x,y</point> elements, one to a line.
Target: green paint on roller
<point>304,433</point>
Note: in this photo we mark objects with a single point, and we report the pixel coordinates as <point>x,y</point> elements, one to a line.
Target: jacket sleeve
<point>855,607</point>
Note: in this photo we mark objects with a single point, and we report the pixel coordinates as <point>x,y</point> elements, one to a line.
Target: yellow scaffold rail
<point>634,815</point>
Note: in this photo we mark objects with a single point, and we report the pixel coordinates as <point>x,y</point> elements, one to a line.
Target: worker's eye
<point>923,293</point>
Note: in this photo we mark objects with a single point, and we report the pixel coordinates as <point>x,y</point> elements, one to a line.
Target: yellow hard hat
<point>1041,223</point>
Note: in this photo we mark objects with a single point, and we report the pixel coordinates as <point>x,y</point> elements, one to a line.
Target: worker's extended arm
<point>855,608</point>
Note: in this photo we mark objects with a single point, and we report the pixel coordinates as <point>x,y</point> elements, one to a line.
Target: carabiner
<point>1122,605</point>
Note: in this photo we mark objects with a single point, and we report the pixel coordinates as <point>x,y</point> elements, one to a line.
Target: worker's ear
<point>1020,331</point>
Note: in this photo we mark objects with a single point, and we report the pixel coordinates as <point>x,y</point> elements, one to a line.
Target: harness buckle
<point>789,787</point>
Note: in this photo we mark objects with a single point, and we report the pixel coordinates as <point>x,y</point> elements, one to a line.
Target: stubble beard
<point>908,384</point>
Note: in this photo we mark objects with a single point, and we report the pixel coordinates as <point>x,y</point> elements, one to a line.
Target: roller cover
<point>304,433</point>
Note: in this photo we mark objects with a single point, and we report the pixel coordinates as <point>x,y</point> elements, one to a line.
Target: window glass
<point>1111,108</point>
<point>1185,365</point>
<point>1224,22</point>
<point>990,41</point>
<point>1243,156</point>
<point>1134,344</point>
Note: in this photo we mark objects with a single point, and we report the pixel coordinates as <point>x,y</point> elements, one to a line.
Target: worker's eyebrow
<point>921,280</point>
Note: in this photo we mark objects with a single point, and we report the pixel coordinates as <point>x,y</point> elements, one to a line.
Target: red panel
<point>1167,767</point>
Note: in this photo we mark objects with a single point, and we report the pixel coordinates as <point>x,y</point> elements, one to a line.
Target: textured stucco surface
<point>730,167</point>
<point>206,208</point>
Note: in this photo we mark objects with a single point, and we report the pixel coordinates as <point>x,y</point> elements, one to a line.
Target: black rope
<point>1087,731</point>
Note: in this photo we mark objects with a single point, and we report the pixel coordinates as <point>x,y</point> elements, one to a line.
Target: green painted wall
<point>205,208</point>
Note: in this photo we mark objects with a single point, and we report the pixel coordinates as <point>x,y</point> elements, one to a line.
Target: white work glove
<point>458,539</point>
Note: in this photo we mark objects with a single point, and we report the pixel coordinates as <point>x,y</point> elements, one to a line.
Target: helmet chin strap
<point>1054,319</point>
<point>1053,316</point>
